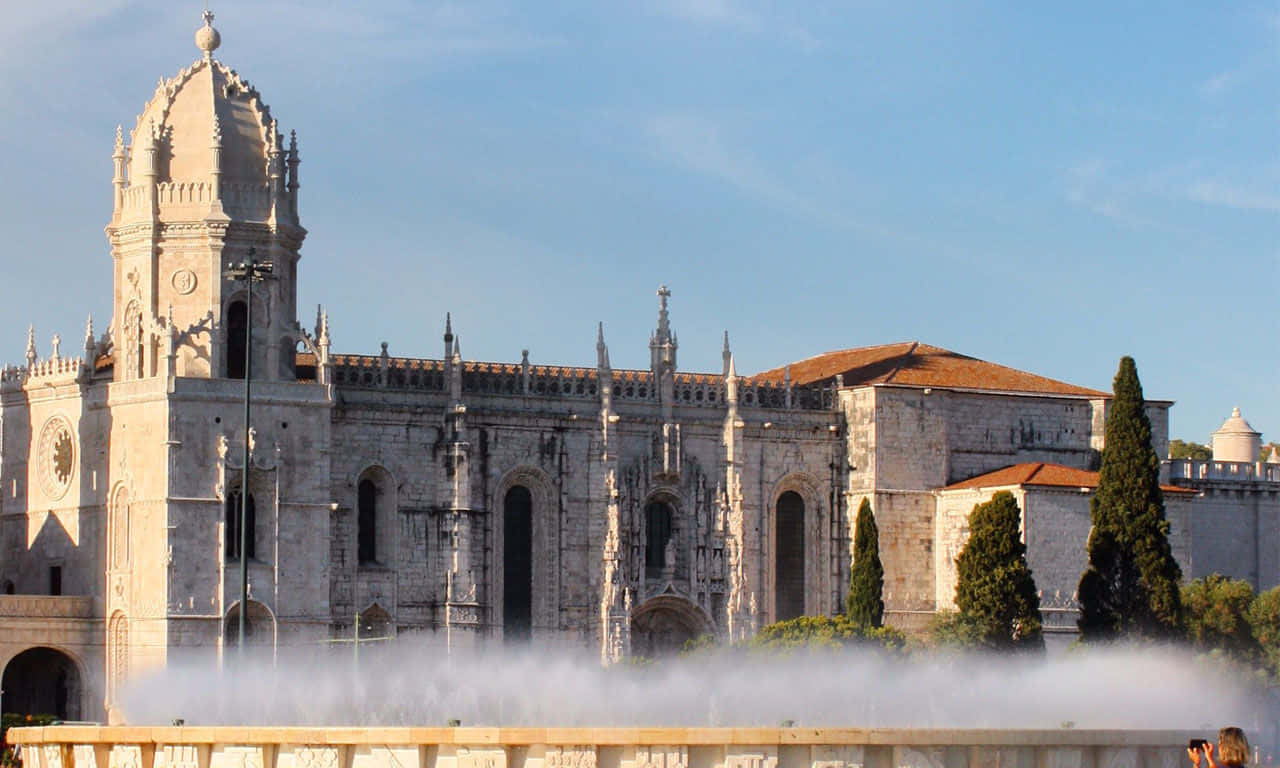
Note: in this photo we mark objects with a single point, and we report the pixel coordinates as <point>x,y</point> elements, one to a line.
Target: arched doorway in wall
<point>663,624</point>
<point>259,626</point>
<point>659,526</point>
<point>42,681</point>
<point>789,564</point>
<point>517,564</point>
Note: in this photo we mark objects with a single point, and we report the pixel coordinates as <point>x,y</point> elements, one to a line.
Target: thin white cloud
<point>720,12</point>
<point>699,144</point>
<point>1227,195</point>
<point>1090,185</point>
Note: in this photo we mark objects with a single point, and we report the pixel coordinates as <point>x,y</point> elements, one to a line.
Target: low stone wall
<point>230,747</point>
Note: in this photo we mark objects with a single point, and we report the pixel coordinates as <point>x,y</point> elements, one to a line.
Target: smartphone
<point>1196,745</point>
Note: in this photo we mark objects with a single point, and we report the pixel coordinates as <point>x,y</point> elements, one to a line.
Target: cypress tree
<point>1130,588</point>
<point>995,589</point>
<point>865,606</point>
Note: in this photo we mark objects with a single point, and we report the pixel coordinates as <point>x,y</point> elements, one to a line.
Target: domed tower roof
<point>190,110</point>
<point>1235,440</point>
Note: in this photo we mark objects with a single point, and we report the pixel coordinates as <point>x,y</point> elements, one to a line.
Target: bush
<point>825,633</point>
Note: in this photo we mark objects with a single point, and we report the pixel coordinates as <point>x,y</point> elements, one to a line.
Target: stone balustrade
<point>567,382</point>
<point>1230,471</point>
<point>73,746</point>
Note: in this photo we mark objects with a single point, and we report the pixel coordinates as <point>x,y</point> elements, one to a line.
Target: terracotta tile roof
<point>1042,474</point>
<point>911,363</point>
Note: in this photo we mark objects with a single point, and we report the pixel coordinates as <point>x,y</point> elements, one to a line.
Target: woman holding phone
<point>1233,749</point>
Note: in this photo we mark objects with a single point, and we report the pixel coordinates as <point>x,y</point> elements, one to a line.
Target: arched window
<point>119,530</point>
<point>232,527</point>
<point>133,341</point>
<point>788,573</point>
<point>367,521</point>
<point>517,564</point>
<point>259,625</point>
<point>657,532</point>
<point>117,654</point>
<point>237,331</point>
<point>8,587</point>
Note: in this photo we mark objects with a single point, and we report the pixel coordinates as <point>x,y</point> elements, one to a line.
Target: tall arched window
<point>133,341</point>
<point>119,530</point>
<point>232,528</point>
<point>237,330</point>
<point>117,654</point>
<point>517,564</point>
<point>788,573</point>
<point>367,521</point>
<point>657,532</point>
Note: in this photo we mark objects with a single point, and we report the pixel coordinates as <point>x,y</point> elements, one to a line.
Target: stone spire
<point>663,343</point>
<point>119,160</point>
<point>602,349</point>
<point>725,355</point>
<point>90,347</point>
<point>31,346</point>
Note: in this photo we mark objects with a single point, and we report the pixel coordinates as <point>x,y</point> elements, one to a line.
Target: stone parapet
<point>174,747</point>
<point>567,382</point>
<point>1229,471</point>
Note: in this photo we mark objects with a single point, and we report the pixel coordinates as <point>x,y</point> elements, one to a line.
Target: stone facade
<point>624,511</point>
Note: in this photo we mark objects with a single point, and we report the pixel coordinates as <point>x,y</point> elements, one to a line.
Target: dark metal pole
<point>244,476</point>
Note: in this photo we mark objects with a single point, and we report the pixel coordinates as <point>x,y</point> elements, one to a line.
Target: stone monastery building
<point>624,511</point>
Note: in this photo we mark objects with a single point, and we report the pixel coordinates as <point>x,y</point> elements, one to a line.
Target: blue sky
<point>1044,185</point>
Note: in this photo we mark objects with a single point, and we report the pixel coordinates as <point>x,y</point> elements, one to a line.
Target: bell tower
<point>205,182</point>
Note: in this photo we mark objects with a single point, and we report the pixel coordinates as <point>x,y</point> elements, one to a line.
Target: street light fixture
<point>250,271</point>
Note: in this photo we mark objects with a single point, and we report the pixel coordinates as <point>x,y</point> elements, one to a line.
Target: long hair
<point>1233,747</point>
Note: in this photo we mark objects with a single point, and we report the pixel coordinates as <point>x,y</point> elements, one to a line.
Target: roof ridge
<point>1039,466</point>
<point>902,361</point>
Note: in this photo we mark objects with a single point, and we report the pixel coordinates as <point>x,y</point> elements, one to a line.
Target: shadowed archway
<point>42,681</point>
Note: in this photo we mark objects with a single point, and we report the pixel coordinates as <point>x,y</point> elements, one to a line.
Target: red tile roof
<point>1042,474</point>
<point>911,363</point>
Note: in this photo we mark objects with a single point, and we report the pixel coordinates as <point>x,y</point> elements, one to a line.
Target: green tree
<point>865,604</point>
<point>1215,615</point>
<point>1179,449</point>
<point>1130,588</point>
<point>995,588</point>
<point>1264,619</point>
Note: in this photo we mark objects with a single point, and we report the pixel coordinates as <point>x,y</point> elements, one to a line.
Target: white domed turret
<point>1235,440</point>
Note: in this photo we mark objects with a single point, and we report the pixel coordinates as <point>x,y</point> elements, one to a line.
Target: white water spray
<point>416,682</point>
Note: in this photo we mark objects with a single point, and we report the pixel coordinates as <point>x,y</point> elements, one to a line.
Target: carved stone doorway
<point>662,625</point>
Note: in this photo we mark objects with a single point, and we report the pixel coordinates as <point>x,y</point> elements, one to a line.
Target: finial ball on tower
<point>207,38</point>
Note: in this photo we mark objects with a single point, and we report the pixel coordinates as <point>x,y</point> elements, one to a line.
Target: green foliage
<point>994,587</point>
<point>697,645</point>
<point>14,720</point>
<point>1215,617</point>
<point>824,633</point>
<point>1264,621</point>
<point>1179,449</point>
<point>865,604</point>
<point>1130,588</point>
<point>952,629</point>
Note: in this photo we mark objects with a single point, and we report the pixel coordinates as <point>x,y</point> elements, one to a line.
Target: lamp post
<point>249,271</point>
